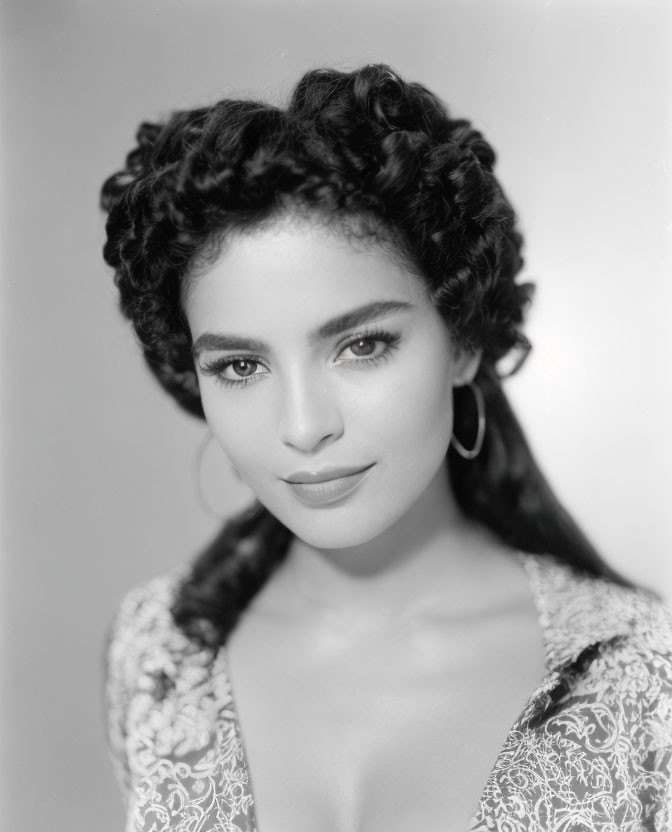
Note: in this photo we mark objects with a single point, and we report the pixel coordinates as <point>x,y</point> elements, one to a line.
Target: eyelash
<point>217,367</point>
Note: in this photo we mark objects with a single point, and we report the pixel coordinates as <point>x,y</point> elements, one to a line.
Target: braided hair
<point>377,157</point>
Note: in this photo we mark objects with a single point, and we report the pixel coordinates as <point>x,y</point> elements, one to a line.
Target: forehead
<point>295,273</point>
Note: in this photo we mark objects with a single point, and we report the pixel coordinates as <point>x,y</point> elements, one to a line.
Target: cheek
<point>411,412</point>
<point>238,428</point>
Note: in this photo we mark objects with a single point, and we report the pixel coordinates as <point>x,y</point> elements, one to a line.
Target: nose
<point>310,416</point>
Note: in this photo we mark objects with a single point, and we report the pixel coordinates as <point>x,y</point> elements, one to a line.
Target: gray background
<point>98,491</point>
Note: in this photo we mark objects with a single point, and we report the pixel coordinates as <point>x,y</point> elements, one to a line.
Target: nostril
<point>308,443</point>
<point>309,419</point>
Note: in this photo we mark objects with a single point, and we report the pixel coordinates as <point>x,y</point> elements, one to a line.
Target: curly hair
<point>361,144</point>
<point>375,156</point>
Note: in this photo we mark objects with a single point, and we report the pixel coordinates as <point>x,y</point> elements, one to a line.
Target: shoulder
<point>143,630</point>
<point>146,654</point>
<point>145,607</point>
<point>172,726</point>
<point>577,609</point>
<point>146,650</point>
<point>595,740</point>
<point>612,645</point>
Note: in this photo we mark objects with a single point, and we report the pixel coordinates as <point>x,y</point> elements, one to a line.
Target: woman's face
<point>326,375</point>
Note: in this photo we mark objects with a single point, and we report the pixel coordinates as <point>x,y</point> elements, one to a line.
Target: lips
<point>326,488</point>
<point>326,475</point>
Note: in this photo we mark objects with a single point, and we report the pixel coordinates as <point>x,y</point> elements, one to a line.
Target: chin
<point>334,529</point>
<point>336,539</point>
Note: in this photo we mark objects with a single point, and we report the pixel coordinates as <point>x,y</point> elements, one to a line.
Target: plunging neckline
<point>549,678</point>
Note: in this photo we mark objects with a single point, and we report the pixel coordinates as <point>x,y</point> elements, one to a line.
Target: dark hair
<point>378,157</point>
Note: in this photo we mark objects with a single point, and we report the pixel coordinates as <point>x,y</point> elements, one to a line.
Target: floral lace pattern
<point>172,726</point>
<point>591,751</point>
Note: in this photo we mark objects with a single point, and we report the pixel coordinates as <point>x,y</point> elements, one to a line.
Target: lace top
<point>591,750</point>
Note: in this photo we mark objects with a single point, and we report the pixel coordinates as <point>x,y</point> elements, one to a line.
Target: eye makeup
<point>217,367</point>
<point>389,340</point>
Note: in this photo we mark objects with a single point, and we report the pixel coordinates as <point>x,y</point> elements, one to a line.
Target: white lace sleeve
<point>135,637</point>
<point>120,681</point>
<point>173,731</point>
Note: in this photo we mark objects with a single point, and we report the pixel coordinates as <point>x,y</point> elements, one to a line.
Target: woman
<point>332,287</point>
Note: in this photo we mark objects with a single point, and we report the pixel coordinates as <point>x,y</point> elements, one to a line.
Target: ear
<point>466,366</point>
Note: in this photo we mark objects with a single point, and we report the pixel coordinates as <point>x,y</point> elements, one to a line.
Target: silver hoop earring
<point>197,476</point>
<point>480,433</point>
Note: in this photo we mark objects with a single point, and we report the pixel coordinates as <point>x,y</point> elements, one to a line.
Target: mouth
<point>326,475</point>
<point>328,487</point>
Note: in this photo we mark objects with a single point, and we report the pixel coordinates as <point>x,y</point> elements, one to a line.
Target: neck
<point>421,564</point>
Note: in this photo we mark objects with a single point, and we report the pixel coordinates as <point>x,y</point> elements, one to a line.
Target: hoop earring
<point>480,433</point>
<point>196,466</point>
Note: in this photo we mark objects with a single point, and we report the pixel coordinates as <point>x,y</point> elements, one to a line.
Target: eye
<point>234,371</point>
<point>364,348</point>
<point>243,368</point>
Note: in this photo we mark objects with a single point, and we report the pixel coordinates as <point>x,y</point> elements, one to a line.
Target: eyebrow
<point>356,317</point>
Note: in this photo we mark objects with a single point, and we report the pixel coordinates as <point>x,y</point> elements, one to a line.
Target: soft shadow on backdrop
<point>97,487</point>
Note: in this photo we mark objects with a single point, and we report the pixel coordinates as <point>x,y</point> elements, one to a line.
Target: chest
<point>400,733</point>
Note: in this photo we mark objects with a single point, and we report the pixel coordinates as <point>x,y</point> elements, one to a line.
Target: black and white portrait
<point>336,466</point>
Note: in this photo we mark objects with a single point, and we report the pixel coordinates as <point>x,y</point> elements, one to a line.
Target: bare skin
<point>378,671</point>
<point>377,697</point>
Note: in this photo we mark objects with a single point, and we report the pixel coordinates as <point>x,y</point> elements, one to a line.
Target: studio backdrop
<point>99,491</point>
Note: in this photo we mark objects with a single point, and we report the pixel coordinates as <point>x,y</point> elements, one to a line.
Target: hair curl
<point>372,155</point>
<point>363,144</point>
